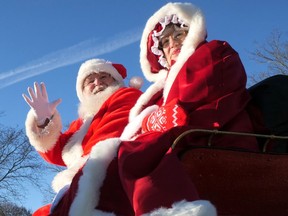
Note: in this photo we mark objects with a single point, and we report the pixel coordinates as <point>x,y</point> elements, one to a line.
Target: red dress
<point>208,92</point>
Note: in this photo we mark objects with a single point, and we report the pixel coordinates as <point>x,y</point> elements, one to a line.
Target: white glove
<point>40,104</point>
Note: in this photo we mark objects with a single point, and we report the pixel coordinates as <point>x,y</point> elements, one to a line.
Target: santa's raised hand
<point>39,103</point>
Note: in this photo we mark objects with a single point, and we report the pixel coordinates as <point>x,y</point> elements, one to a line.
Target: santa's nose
<point>97,81</point>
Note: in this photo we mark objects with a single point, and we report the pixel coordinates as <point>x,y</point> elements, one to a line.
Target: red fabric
<point>159,181</point>
<point>112,195</point>
<point>239,182</point>
<point>211,88</point>
<point>152,58</point>
<point>121,69</point>
<point>109,122</point>
<point>44,210</point>
<point>63,207</point>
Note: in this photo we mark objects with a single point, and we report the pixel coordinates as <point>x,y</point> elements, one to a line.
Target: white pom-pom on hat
<point>117,71</point>
<point>136,82</point>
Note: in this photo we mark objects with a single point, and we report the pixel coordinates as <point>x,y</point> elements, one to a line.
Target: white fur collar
<point>192,17</point>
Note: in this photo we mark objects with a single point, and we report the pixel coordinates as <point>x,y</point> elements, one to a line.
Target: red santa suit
<point>88,149</point>
<point>205,88</point>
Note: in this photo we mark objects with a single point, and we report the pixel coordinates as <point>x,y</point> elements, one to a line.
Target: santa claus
<point>89,146</point>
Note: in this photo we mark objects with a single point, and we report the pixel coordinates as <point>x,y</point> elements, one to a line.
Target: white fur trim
<point>134,126</point>
<point>94,173</point>
<point>58,197</point>
<point>101,213</point>
<point>43,139</point>
<point>72,156</point>
<point>196,35</point>
<point>186,12</point>
<point>73,149</point>
<point>64,178</point>
<point>137,114</point>
<point>145,97</point>
<point>95,66</point>
<point>93,103</point>
<point>184,208</point>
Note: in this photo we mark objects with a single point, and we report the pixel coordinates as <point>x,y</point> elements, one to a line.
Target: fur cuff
<point>184,208</point>
<point>144,99</point>
<point>135,125</point>
<point>43,139</point>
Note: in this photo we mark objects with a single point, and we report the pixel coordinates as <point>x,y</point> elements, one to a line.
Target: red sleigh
<point>246,183</point>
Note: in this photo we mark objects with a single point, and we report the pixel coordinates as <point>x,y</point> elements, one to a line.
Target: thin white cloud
<point>71,55</point>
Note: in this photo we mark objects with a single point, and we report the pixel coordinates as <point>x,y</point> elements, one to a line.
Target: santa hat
<point>117,71</point>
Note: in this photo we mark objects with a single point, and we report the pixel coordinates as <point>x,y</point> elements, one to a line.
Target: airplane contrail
<point>71,55</point>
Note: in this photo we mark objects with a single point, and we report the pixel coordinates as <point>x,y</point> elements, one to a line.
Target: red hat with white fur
<point>152,59</point>
<point>117,71</point>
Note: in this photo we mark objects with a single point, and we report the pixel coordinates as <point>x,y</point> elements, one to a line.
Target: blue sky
<point>48,40</point>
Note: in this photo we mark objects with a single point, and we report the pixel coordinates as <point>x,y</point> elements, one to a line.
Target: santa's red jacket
<point>86,148</point>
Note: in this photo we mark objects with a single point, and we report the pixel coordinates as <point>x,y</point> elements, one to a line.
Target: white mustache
<point>98,88</point>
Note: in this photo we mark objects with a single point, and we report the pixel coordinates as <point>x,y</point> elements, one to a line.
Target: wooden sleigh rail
<point>212,133</point>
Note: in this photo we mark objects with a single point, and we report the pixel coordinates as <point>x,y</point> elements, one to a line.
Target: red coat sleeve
<point>211,85</point>
<point>109,122</point>
<point>54,156</point>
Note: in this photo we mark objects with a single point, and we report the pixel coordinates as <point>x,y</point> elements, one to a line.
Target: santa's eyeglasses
<point>101,77</point>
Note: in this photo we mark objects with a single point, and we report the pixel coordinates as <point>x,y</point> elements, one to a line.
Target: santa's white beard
<point>92,103</point>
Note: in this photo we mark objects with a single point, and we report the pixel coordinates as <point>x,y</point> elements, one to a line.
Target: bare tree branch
<point>10,209</point>
<point>19,164</point>
<point>273,54</point>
